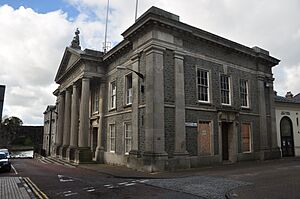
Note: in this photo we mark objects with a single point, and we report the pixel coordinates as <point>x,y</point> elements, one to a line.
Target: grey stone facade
<point>2,92</point>
<point>50,118</point>
<point>165,118</point>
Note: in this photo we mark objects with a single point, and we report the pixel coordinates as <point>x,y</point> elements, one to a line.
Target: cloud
<point>31,48</point>
<point>32,44</point>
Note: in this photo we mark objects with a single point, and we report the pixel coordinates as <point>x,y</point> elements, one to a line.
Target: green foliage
<point>12,122</point>
<point>28,142</point>
<point>9,127</point>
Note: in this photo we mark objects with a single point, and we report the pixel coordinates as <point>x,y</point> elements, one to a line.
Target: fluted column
<point>60,129</point>
<point>67,121</point>
<point>74,118</point>
<point>84,113</point>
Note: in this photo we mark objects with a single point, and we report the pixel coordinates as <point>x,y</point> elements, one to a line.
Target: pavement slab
<point>12,188</point>
<point>203,186</point>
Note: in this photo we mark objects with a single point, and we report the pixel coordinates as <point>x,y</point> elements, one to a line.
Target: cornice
<point>157,18</point>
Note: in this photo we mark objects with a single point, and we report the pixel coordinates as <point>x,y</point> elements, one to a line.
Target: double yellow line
<point>35,189</point>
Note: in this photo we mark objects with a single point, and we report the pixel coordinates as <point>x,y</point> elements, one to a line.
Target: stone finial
<point>289,95</point>
<point>75,42</point>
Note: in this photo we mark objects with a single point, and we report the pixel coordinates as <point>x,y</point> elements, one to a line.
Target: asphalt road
<point>58,181</point>
<point>275,179</point>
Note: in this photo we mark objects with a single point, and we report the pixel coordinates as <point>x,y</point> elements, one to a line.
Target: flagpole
<point>105,36</point>
<point>136,8</point>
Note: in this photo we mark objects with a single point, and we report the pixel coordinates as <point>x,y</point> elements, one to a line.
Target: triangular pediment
<point>69,60</point>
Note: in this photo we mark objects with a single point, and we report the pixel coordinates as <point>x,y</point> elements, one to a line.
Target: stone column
<point>60,125</point>
<point>67,123</point>
<point>135,106</point>
<point>100,149</point>
<point>83,154</point>
<point>154,117</point>
<point>74,118</point>
<point>84,114</point>
<point>262,117</point>
<point>274,145</point>
<point>180,135</point>
<point>74,124</point>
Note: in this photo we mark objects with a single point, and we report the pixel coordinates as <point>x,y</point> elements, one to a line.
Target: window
<point>113,93</point>
<point>246,138</point>
<point>128,91</point>
<point>112,137</point>
<point>95,101</point>
<point>225,89</point>
<point>203,85</point>
<point>204,138</point>
<point>244,93</point>
<point>128,134</point>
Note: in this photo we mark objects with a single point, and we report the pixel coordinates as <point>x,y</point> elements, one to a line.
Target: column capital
<point>86,78</point>
<point>154,49</point>
<point>179,55</point>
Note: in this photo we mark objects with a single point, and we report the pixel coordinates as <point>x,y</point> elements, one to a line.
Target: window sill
<point>112,109</point>
<point>245,108</point>
<point>95,113</point>
<point>247,152</point>
<point>228,105</point>
<point>204,103</point>
<point>127,105</point>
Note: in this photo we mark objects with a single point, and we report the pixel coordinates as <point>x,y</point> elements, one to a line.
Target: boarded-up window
<point>246,138</point>
<point>204,138</point>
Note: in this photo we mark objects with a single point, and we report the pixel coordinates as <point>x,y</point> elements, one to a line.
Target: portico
<point>75,74</point>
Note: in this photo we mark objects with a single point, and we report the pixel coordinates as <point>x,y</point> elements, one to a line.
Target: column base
<point>83,155</point>
<point>268,154</point>
<point>70,153</point>
<point>99,155</point>
<point>153,162</point>
<point>180,160</point>
<point>60,152</point>
<point>64,151</point>
<point>55,151</point>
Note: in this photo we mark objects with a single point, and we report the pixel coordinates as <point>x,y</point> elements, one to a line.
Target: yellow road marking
<point>35,189</point>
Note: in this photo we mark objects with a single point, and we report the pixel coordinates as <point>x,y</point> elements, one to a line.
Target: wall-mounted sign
<point>191,124</point>
<point>285,113</point>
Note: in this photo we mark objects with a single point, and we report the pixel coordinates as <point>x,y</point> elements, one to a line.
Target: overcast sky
<point>34,34</point>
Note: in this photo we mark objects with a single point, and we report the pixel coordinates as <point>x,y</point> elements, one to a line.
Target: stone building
<point>287,124</point>
<point>50,116</point>
<point>2,91</point>
<point>168,96</point>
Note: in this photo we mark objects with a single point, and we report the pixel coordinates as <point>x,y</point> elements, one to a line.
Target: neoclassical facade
<point>168,96</point>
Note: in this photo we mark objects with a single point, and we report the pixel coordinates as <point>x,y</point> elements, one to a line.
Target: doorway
<point>287,139</point>
<point>225,148</point>
<point>94,140</point>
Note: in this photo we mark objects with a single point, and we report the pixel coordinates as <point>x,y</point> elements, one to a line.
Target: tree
<point>10,127</point>
<point>12,122</point>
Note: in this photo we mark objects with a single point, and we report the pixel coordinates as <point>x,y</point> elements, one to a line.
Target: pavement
<point>14,188</point>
